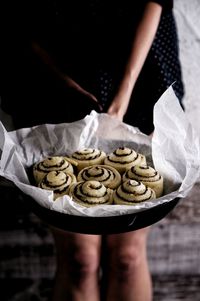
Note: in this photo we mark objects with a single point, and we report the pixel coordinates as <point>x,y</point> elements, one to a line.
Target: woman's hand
<point>83,95</point>
<point>74,85</point>
<point>80,93</point>
<point>118,107</point>
<point>120,103</point>
<point>68,81</point>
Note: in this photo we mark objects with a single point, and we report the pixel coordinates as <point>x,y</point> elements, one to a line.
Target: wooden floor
<point>166,288</point>
<point>176,288</point>
<point>174,252</point>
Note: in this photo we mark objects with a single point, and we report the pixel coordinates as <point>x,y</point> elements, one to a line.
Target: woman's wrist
<point>118,107</point>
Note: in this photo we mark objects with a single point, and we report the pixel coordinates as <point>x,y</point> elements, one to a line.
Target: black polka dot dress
<point>161,69</point>
<point>90,41</point>
<point>165,52</point>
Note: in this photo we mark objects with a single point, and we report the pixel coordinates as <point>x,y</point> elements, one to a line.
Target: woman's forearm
<point>141,45</point>
<point>50,63</point>
<point>52,66</point>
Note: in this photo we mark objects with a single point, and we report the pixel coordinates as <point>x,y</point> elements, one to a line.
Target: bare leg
<point>128,273</point>
<point>77,276</point>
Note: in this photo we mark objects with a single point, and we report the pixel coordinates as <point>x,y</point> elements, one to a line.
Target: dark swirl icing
<point>88,156</point>
<point>57,181</point>
<point>56,163</point>
<point>132,192</point>
<point>107,175</point>
<point>123,158</point>
<point>147,175</point>
<point>90,193</point>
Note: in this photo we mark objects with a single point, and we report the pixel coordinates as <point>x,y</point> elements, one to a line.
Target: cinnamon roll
<point>132,192</point>
<point>53,163</point>
<point>105,174</point>
<point>88,156</point>
<point>90,193</point>
<point>124,158</point>
<point>58,181</point>
<point>147,175</point>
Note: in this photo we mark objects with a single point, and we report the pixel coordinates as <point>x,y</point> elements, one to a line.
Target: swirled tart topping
<point>53,163</point>
<point>107,175</point>
<point>123,158</point>
<point>57,181</point>
<point>88,156</point>
<point>90,193</point>
<point>147,175</point>
<point>132,192</point>
<point>56,163</point>
<point>142,173</point>
<point>123,155</point>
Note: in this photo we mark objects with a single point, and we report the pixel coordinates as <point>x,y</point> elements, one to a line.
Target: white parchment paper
<point>174,151</point>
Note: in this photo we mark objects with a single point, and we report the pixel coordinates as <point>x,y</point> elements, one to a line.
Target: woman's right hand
<point>76,87</point>
<point>68,81</point>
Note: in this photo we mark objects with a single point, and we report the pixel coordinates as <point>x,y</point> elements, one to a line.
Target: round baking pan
<point>92,225</point>
<point>102,225</point>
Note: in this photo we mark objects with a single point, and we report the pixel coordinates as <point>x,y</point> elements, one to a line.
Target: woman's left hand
<point>118,107</point>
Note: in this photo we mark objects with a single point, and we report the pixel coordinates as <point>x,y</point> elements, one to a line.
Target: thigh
<point>74,246</point>
<point>123,253</point>
<point>130,241</point>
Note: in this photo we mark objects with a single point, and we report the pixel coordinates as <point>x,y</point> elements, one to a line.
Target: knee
<point>126,261</point>
<point>84,262</point>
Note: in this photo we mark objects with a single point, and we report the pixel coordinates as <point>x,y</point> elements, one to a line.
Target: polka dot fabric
<point>165,53</point>
<point>105,86</point>
<point>99,37</point>
<point>167,4</point>
<point>162,68</point>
